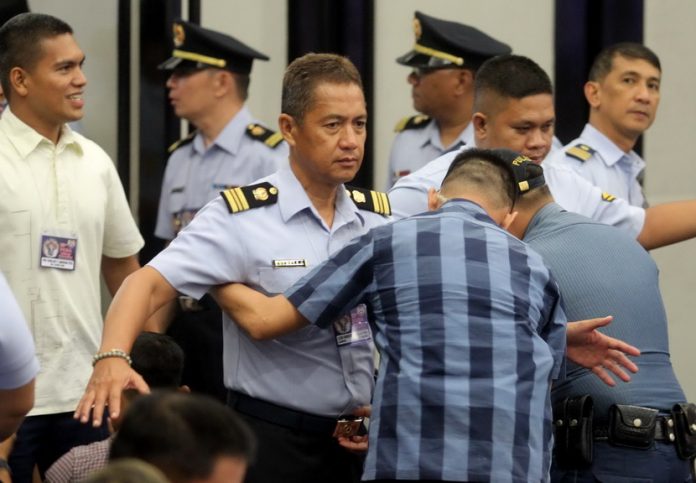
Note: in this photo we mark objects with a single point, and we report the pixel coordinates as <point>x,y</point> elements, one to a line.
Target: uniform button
<point>671,436</point>
<point>670,423</point>
<point>573,422</point>
<point>637,422</point>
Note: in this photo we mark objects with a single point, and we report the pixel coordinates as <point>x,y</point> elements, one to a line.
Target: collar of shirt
<point>293,199</point>
<point>458,205</point>
<point>608,151</point>
<point>466,137</point>
<point>538,221</point>
<point>230,137</point>
<point>25,139</point>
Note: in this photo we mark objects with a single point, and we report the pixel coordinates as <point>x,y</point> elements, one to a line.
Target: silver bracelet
<point>112,353</point>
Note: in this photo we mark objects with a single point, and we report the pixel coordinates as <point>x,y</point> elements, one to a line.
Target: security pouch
<point>573,439</point>
<point>632,426</point>
<point>684,416</point>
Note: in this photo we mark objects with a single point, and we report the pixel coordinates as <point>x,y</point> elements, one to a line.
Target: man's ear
<point>18,82</point>
<point>480,122</point>
<point>434,201</point>
<point>592,90</point>
<point>287,127</point>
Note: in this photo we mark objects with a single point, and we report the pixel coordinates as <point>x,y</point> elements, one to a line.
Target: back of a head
<point>482,172</point>
<point>127,470</point>
<point>159,359</point>
<point>509,76</point>
<point>20,42</point>
<point>182,434</point>
<point>306,72</point>
<point>602,64</point>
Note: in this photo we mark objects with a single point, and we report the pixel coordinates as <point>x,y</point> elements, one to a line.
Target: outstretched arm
<point>261,316</point>
<point>598,352</point>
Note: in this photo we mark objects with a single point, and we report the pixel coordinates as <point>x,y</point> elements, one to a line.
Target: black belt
<point>664,430</point>
<point>282,416</point>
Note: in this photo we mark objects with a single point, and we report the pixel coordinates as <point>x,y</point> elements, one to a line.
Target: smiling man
<point>64,216</point>
<point>623,92</point>
<point>293,389</point>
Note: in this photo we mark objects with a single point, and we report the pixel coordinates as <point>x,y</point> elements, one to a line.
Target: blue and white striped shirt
<point>471,332</point>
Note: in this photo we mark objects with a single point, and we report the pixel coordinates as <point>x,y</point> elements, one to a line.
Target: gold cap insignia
<point>520,159</point>
<point>260,194</point>
<point>179,34</point>
<point>359,197</point>
<point>417,29</point>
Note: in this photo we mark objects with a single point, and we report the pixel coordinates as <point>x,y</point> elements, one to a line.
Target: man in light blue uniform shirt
<point>623,92</point>
<point>291,389</point>
<point>513,104</point>
<point>208,87</point>
<point>444,59</point>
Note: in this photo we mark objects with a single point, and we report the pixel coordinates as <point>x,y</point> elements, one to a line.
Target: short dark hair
<point>242,81</point>
<point>306,72</point>
<point>159,359</point>
<point>602,64</point>
<point>487,171</point>
<point>510,76</point>
<point>182,434</point>
<point>20,42</point>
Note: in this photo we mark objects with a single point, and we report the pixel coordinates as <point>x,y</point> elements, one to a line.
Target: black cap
<point>194,44</point>
<point>528,174</point>
<point>442,43</point>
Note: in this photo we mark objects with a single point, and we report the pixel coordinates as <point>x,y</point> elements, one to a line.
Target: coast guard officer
<point>291,389</point>
<point>208,87</point>
<point>444,59</point>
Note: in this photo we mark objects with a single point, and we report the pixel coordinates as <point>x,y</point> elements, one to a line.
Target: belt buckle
<point>347,427</point>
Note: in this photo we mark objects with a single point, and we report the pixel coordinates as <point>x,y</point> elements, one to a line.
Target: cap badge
<point>260,194</point>
<point>179,34</point>
<point>417,29</point>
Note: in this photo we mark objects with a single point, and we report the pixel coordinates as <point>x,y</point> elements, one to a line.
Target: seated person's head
<point>127,470</point>
<point>188,437</point>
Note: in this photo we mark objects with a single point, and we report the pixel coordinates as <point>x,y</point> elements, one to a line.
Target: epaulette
<point>248,197</point>
<point>412,122</point>
<point>369,200</point>
<point>608,197</point>
<point>270,138</point>
<point>580,151</point>
<point>182,142</point>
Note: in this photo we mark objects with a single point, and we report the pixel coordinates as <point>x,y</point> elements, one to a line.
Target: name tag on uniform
<point>291,262</point>
<point>58,252</point>
<point>353,327</point>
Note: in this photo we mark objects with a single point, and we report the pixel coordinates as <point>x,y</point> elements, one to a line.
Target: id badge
<point>58,252</point>
<point>353,327</point>
<point>347,427</point>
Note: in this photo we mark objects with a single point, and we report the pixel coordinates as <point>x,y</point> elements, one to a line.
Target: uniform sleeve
<point>554,329</point>
<point>121,235</point>
<point>393,162</point>
<point>336,285</point>
<point>205,253</point>
<point>574,193</point>
<point>18,363</point>
<point>407,198</point>
<point>163,227</point>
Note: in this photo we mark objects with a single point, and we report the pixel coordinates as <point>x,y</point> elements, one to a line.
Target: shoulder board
<point>264,135</point>
<point>247,197</point>
<point>412,122</point>
<point>580,151</point>
<point>182,142</point>
<point>608,197</point>
<point>369,200</point>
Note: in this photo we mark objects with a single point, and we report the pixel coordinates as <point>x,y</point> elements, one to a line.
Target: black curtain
<point>342,27</point>
<point>583,29</point>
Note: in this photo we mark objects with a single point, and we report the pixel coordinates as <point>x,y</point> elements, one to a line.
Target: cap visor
<point>415,59</point>
<point>170,63</point>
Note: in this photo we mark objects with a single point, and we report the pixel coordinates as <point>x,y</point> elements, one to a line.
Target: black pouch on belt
<point>632,426</point>
<point>573,431</point>
<point>684,416</point>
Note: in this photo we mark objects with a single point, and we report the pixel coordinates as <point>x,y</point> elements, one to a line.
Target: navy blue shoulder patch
<point>580,151</point>
<point>247,197</point>
<point>259,133</point>
<point>412,122</point>
<point>370,200</point>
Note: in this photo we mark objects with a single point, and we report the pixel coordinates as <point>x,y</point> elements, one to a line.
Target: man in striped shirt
<point>468,324</point>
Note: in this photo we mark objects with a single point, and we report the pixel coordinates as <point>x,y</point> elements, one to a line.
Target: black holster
<point>573,438</point>
<point>684,416</point>
<point>632,426</point>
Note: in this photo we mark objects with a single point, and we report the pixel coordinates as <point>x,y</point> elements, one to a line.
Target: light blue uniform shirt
<point>304,370</point>
<point>574,193</point>
<point>414,148</point>
<point>196,174</point>
<point>609,168</point>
